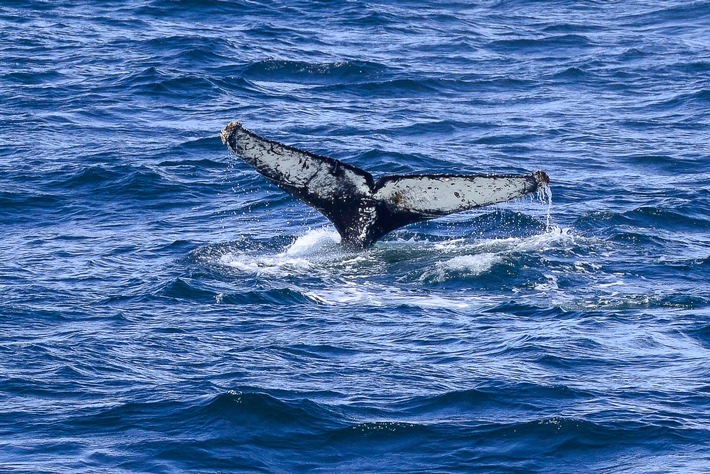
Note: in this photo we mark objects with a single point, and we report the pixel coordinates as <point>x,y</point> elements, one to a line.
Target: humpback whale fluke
<point>362,209</point>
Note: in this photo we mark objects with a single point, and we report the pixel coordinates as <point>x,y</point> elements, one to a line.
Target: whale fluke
<point>362,209</point>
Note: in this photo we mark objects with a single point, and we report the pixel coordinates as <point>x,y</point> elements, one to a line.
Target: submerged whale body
<point>362,209</point>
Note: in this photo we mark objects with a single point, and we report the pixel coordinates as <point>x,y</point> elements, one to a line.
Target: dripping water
<point>544,195</point>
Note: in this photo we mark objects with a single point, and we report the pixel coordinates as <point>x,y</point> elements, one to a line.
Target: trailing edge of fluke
<point>364,209</point>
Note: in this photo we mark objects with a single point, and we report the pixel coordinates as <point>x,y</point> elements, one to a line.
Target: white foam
<point>305,255</point>
<point>370,278</point>
<point>276,265</point>
<point>555,237</point>
<point>468,265</point>
<point>472,263</point>
<point>550,284</point>
<point>378,295</point>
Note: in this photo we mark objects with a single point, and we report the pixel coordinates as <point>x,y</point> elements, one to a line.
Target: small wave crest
<point>313,73</point>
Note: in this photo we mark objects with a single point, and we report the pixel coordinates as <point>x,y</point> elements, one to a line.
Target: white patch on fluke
<point>439,195</point>
<point>292,167</point>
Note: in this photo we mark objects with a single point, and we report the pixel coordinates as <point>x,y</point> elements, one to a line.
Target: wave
<point>142,183</point>
<point>342,72</point>
<point>194,164</point>
<point>666,15</point>
<point>699,99</point>
<point>94,175</point>
<point>34,78</point>
<point>392,88</point>
<point>155,82</point>
<point>702,335</point>
<point>166,9</point>
<point>243,427</point>
<point>196,145</point>
<point>20,201</point>
<point>400,87</point>
<point>189,49</point>
<point>501,401</point>
<point>648,218</point>
<point>544,45</point>
<point>618,300</point>
<point>184,289</point>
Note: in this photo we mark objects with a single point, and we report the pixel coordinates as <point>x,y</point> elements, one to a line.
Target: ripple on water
<point>161,310</point>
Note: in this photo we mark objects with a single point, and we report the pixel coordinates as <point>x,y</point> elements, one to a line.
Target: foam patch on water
<point>463,265</point>
<point>472,263</point>
<point>379,296</point>
<point>554,238</point>
<point>370,277</point>
<point>276,265</point>
<point>305,255</point>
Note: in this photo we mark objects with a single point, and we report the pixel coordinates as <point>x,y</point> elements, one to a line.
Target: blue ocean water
<point>164,309</point>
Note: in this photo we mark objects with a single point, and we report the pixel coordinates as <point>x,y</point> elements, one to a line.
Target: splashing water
<point>544,195</point>
<point>314,242</point>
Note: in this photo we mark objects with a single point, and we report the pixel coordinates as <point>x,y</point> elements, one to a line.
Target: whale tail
<point>362,209</point>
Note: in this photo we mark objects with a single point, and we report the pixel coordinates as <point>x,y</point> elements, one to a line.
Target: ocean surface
<point>163,308</point>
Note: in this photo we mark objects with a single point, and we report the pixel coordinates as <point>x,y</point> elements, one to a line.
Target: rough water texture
<point>164,309</point>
